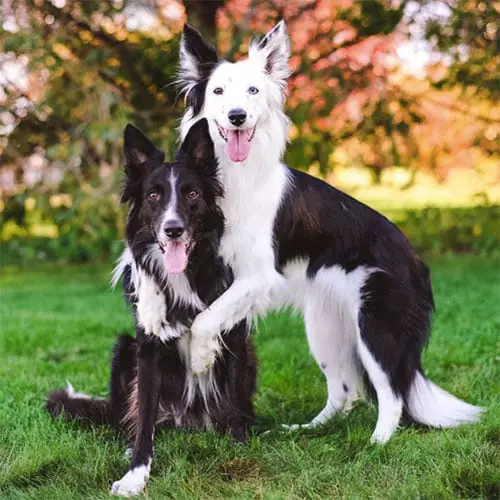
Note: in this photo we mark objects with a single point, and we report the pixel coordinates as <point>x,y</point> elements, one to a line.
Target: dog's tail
<point>78,406</point>
<point>100,411</point>
<point>430,405</point>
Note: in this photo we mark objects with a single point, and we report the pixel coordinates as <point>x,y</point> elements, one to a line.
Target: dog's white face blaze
<point>255,85</point>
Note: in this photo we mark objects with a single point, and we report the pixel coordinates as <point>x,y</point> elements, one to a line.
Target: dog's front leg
<point>242,300</point>
<point>148,380</point>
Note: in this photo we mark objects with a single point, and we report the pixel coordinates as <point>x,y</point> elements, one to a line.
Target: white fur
<point>247,246</point>
<point>431,405</point>
<point>390,405</point>
<point>189,73</point>
<point>331,302</point>
<point>125,259</point>
<point>331,310</point>
<point>171,212</point>
<point>247,243</point>
<point>151,307</point>
<point>204,384</point>
<point>133,482</point>
<point>72,394</point>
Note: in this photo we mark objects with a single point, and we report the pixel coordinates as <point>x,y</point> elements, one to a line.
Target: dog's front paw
<point>132,483</point>
<point>205,325</point>
<point>203,353</point>
<point>204,342</point>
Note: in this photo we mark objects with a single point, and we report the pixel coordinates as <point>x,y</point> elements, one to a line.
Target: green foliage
<point>86,226</point>
<point>440,230</point>
<point>60,323</point>
<point>90,75</point>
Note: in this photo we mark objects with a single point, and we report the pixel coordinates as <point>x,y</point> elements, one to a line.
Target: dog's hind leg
<point>331,338</point>
<point>390,404</point>
<point>123,374</point>
<point>149,382</point>
<point>393,321</point>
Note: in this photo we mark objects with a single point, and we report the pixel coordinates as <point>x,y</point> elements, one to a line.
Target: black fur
<point>149,375</point>
<point>206,60</point>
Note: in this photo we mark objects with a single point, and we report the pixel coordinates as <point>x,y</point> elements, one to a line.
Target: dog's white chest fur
<point>150,298</point>
<point>247,243</point>
<point>152,308</point>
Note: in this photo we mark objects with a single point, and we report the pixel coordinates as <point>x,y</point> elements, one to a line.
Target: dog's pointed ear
<point>139,151</point>
<point>197,58</point>
<point>273,52</point>
<point>198,146</point>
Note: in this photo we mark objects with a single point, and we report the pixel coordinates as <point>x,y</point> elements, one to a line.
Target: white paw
<point>297,427</point>
<point>205,325</point>
<point>380,438</point>
<point>132,483</point>
<point>203,353</point>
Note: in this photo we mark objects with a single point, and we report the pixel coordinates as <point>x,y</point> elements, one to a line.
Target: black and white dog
<point>171,271</point>
<point>292,239</point>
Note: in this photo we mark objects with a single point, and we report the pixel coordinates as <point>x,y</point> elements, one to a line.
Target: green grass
<point>60,323</point>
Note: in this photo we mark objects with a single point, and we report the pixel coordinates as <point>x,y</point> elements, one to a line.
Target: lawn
<point>60,323</point>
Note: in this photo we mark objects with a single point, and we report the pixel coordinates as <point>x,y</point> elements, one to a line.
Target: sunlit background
<point>395,102</point>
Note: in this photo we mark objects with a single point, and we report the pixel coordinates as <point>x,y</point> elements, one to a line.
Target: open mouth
<point>238,142</point>
<point>176,255</point>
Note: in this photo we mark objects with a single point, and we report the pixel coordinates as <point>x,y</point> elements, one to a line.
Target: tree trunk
<point>202,15</point>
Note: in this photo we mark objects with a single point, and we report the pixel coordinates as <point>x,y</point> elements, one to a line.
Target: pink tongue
<point>238,145</point>
<point>175,257</point>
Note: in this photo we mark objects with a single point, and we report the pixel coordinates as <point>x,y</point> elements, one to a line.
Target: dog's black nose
<point>174,230</point>
<point>237,116</point>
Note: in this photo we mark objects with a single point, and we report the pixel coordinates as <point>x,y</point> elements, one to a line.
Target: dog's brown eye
<point>153,196</point>
<point>193,194</point>
<point>218,91</point>
<point>253,90</point>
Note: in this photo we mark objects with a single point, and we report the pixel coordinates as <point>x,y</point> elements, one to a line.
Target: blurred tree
<point>85,68</point>
<point>90,67</point>
<point>467,32</point>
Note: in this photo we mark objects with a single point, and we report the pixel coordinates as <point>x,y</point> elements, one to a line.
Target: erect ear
<point>197,60</point>
<point>139,151</point>
<point>273,52</point>
<point>198,146</point>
